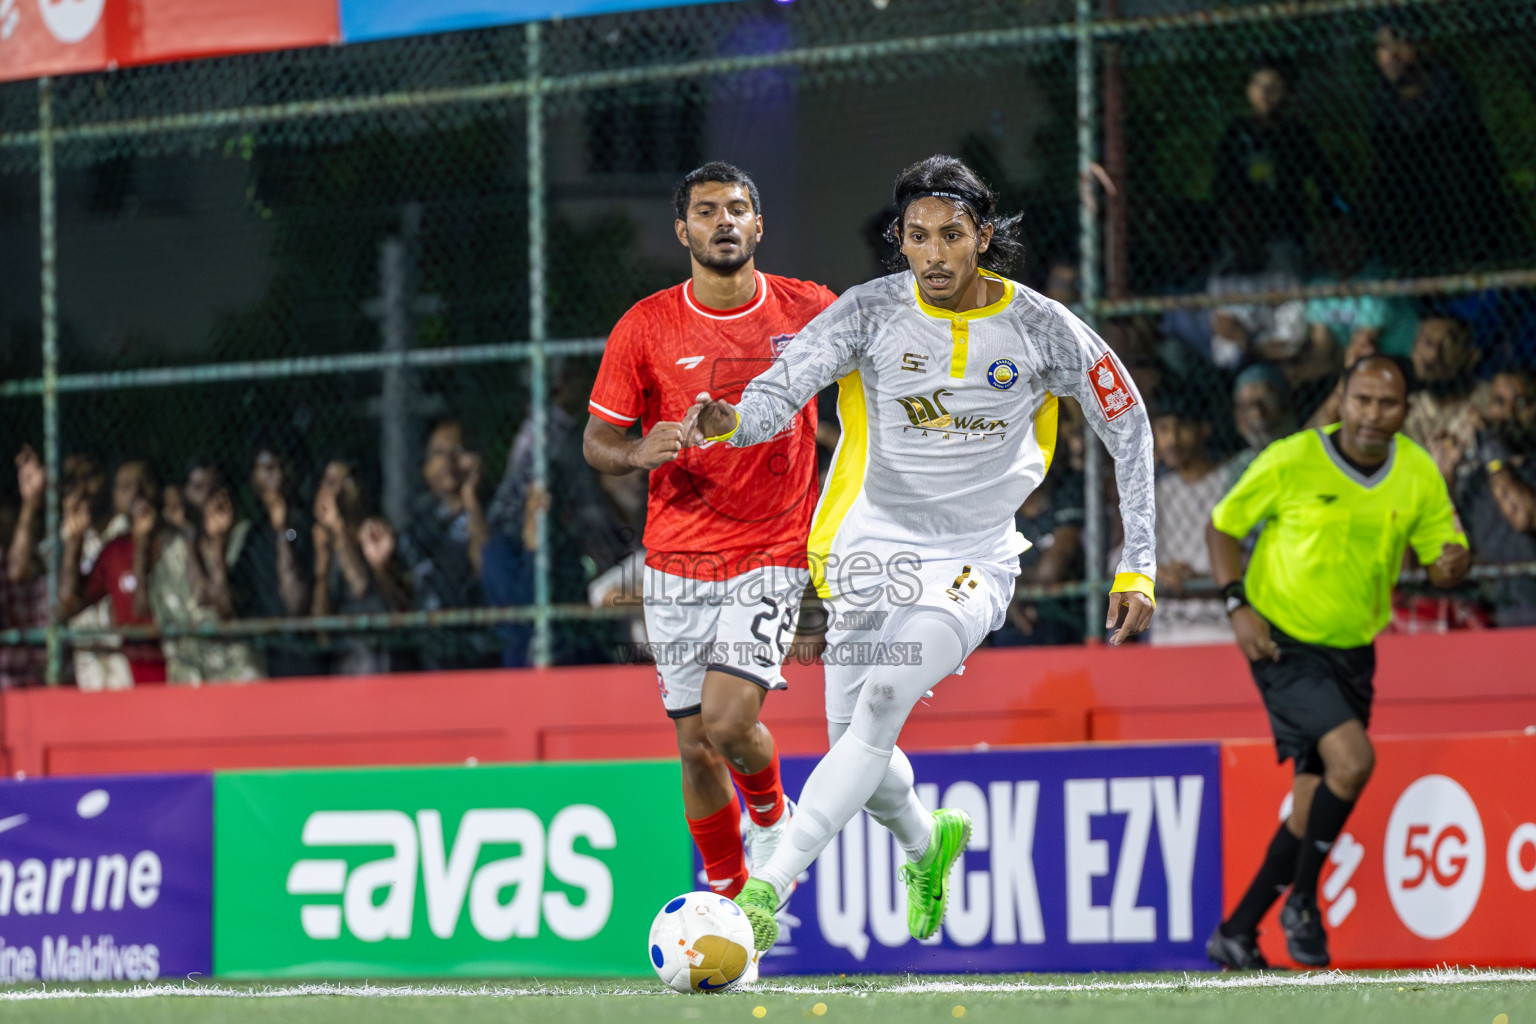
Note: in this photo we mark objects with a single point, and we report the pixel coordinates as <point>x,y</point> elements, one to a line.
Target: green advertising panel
<point>530,869</point>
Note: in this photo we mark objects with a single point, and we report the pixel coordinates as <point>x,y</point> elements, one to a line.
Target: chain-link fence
<point>322,323</point>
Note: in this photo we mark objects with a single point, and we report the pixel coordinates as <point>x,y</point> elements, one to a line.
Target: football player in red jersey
<point>725,555</point>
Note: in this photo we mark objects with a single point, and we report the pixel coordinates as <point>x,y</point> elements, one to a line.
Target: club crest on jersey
<point>1109,388</point>
<point>1002,374</point>
<point>779,342</point>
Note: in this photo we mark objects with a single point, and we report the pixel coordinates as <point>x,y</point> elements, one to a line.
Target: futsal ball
<point>701,942</point>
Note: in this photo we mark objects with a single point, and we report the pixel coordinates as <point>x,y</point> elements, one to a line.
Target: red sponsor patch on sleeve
<point>1109,387</point>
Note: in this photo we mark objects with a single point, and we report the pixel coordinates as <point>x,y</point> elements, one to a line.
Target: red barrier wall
<point>1436,865</point>
<point>1468,682</point>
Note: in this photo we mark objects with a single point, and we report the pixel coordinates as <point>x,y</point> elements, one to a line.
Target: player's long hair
<point>949,177</point>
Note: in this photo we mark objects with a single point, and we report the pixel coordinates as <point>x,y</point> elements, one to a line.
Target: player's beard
<point>704,254</point>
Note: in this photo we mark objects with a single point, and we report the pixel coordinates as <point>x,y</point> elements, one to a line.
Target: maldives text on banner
<point>1082,859</point>
<point>106,878</point>
<point>1437,864</point>
<point>526,869</point>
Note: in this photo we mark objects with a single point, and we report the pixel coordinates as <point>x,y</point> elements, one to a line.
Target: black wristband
<point>1234,596</point>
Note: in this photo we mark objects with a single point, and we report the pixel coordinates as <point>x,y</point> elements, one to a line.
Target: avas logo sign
<point>514,870</point>
<point>496,863</point>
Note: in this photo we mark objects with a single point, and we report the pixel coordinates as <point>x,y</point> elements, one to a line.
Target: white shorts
<point>742,626</point>
<point>864,629</point>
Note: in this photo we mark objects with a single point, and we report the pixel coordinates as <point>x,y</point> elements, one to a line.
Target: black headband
<point>952,197</point>
<point>965,204</point>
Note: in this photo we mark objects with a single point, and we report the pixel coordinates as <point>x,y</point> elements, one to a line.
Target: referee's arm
<point>1254,499</point>
<point>1438,539</point>
<point>1446,571</point>
<point>1251,629</point>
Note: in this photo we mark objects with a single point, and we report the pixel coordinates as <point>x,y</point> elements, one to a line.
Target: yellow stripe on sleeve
<point>844,481</point>
<point>1045,430</point>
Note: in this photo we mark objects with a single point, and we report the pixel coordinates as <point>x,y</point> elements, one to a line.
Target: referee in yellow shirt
<point>1339,506</point>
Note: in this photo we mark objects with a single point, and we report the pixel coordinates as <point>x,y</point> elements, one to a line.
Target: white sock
<point>837,788</point>
<point>859,763</point>
<point>896,806</point>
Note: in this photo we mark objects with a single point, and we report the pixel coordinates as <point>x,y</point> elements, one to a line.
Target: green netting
<point>244,244</point>
<point>268,244</point>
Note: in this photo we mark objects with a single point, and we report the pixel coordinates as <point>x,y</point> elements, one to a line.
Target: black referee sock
<point>1274,876</point>
<point>1324,823</point>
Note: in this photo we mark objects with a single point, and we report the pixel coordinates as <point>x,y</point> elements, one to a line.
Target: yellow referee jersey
<point>1333,539</point>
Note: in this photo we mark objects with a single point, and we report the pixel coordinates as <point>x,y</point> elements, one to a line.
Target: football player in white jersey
<point>948,375</point>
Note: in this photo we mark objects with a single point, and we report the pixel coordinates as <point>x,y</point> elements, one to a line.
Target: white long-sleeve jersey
<point>949,422</point>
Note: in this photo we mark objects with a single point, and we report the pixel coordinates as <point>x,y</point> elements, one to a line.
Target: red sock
<point>762,791</point>
<point>719,840</point>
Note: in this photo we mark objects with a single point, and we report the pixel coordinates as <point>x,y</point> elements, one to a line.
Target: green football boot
<point>928,879</point>
<point>758,901</point>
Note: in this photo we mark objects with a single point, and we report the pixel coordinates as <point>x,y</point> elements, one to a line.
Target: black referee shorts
<point>1311,691</point>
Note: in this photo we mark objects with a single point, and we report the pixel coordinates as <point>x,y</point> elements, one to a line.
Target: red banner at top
<point>56,37</point>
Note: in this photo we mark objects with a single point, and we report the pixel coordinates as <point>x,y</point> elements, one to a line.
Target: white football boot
<point>762,840</point>
<point>750,975</point>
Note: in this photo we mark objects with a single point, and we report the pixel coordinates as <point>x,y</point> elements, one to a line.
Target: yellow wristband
<point>729,433</point>
<point>1134,583</point>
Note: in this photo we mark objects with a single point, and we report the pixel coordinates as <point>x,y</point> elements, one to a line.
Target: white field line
<point>1438,976</point>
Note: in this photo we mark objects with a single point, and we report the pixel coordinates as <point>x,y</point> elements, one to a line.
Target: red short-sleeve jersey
<point>716,511</point>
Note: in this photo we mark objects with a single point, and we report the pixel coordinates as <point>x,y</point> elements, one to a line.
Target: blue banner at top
<point>362,20</point>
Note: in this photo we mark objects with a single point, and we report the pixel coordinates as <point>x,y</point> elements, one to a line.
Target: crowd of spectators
<point>1220,382</point>
<point>205,550</point>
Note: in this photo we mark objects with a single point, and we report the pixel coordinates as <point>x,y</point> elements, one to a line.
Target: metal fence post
<point>47,226</point>
<point>1088,275</point>
<point>538,377</point>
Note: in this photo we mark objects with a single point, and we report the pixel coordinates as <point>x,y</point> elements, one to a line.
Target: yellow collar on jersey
<point>960,323</point>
